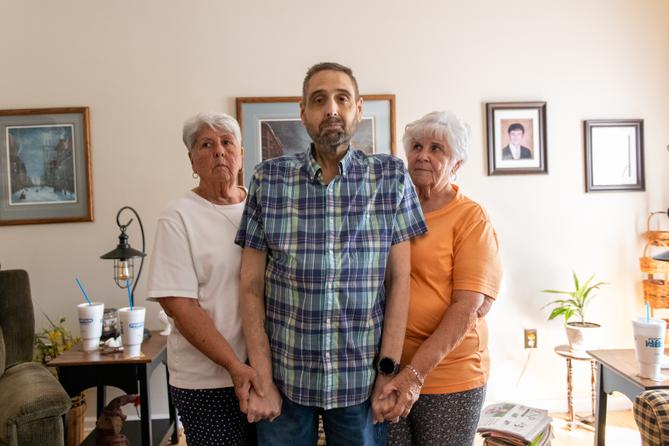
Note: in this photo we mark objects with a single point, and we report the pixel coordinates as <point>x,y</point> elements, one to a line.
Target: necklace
<point>236,226</point>
<point>218,209</point>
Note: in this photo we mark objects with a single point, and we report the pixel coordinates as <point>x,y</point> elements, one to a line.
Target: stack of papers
<point>506,424</point>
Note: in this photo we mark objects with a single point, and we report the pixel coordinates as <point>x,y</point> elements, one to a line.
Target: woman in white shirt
<point>194,275</point>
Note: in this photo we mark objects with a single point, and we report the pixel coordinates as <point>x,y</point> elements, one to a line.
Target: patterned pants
<point>445,420</point>
<point>211,417</point>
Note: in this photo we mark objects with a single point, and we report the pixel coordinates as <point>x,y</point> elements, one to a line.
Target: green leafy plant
<point>576,301</point>
<point>51,342</point>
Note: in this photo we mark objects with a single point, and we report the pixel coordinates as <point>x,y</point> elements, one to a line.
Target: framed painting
<point>516,138</point>
<point>614,155</point>
<point>271,127</point>
<point>45,173</point>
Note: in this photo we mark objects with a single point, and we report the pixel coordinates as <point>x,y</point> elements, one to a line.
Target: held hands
<point>404,390</point>
<point>382,404</point>
<point>263,408</point>
<point>244,377</point>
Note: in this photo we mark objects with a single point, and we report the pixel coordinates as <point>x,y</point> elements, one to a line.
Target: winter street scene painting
<point>41,164</point>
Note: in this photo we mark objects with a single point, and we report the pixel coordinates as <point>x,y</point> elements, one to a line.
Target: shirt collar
<point>314,170</point>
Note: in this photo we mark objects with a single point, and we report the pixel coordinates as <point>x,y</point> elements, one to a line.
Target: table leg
<point>593,381</point>
<point>570,397</point>
<point>145,413</point>
<point>600,411</point>
<point>100,400</point>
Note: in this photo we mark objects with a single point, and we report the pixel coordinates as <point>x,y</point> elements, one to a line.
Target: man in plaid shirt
<point>325,276</point>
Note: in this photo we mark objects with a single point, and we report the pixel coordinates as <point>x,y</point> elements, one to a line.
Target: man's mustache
<point>333,120</point>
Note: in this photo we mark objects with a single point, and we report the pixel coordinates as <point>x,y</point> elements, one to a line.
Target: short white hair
<point>441,125</point>
<point>214,120</point>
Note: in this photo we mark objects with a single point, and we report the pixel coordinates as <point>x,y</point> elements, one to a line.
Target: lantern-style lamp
<point>123,255</point>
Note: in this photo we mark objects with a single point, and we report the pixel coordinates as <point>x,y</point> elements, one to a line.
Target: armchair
<point>651,413</point>
<point>32,402</point>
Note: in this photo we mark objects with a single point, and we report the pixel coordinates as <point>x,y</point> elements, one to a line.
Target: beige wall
<point>143,67</point>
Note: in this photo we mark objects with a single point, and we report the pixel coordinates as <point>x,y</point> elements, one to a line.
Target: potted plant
<point>51,342</point>
<point>581,334</point>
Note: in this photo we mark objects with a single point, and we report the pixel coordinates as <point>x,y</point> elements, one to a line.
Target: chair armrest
<point>29,392</point>
<point>651,413</point>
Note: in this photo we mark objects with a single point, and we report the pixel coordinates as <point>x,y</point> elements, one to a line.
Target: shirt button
<point>327,355</point>
<point>327,322</point>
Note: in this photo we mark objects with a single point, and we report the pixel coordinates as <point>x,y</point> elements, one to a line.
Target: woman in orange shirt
<point>455,275</point>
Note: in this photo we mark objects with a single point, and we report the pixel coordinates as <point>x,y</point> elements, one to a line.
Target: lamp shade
<point>664,256</point>
<point>123,250</point>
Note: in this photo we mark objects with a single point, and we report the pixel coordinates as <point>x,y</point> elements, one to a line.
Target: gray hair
<point>332,66</point>
<point>214,120</point>
<point>441,125</point>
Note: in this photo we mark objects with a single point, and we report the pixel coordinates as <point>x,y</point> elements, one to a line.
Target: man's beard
<point>331,137</point>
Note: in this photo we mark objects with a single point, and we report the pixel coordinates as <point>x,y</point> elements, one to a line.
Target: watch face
<point>387,366</point>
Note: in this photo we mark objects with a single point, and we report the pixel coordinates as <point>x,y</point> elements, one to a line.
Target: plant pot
<point>582,336</point>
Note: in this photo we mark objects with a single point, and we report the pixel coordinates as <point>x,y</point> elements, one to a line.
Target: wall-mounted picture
<point>45,174</point>
<point>271,127</point>
<point>614,155</point>
<point>516,138</point>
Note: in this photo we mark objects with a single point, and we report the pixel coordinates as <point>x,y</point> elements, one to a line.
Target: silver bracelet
<point>416,374</point>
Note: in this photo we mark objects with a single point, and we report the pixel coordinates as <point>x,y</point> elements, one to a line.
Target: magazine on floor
<point>515,424</point>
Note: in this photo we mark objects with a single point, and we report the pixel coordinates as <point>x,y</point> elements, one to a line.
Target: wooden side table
<point>79,370</point>
<point>566,352</point>
<point>618,371</point>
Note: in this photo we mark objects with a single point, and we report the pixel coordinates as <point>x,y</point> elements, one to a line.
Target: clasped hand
<point>257,401</point>
<point>394,398</point>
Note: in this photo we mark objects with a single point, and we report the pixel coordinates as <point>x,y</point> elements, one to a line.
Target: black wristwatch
<point>387,366</point>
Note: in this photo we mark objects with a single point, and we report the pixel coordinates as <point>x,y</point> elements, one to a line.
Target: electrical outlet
<point>530,338</point>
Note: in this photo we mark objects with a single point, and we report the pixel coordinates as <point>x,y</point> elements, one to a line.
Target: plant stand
<point>573,421</point>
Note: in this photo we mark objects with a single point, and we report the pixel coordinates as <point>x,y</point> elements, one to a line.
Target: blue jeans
<point>298,425</point>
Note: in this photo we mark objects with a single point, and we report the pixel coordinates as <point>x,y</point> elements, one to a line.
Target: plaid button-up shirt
<point>327,249</point>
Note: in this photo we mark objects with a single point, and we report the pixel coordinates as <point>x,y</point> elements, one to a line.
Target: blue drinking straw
<point>647,312</point>
<point>81,287</point>
<point>129,295</point>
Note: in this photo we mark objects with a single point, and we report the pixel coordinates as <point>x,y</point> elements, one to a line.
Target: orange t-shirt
<point>459,251</point>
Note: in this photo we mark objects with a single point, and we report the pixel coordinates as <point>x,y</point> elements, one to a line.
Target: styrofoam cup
<point>649,346</point>
<point>132,329</point>
<point>90,324</point>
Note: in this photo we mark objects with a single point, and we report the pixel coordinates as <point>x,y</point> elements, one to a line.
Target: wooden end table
<point>79,370</point>
<point>617,371</point>
<point>566,352</point>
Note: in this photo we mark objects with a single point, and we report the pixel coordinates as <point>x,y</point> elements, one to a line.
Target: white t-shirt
<point>195,256</point>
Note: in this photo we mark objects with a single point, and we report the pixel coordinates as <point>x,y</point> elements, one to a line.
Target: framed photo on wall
<point>516,138</point>
<point>614,155</point>
<point>45,174</point>
<point>271,127</point>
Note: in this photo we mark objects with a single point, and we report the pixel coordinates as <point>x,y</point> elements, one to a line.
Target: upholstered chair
<point>32,401</point>
<point>651,413</point>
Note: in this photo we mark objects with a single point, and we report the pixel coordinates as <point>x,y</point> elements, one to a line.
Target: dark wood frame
<point>85,210</point>
<point>240,101</point>
<point>588,125</point>
<point>541,151</point>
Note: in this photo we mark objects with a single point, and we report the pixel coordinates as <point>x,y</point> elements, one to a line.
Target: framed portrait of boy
<point>516,138</point>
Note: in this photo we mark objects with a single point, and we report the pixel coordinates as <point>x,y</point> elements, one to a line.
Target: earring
<point>454,176</point>
<point>195,176</point>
